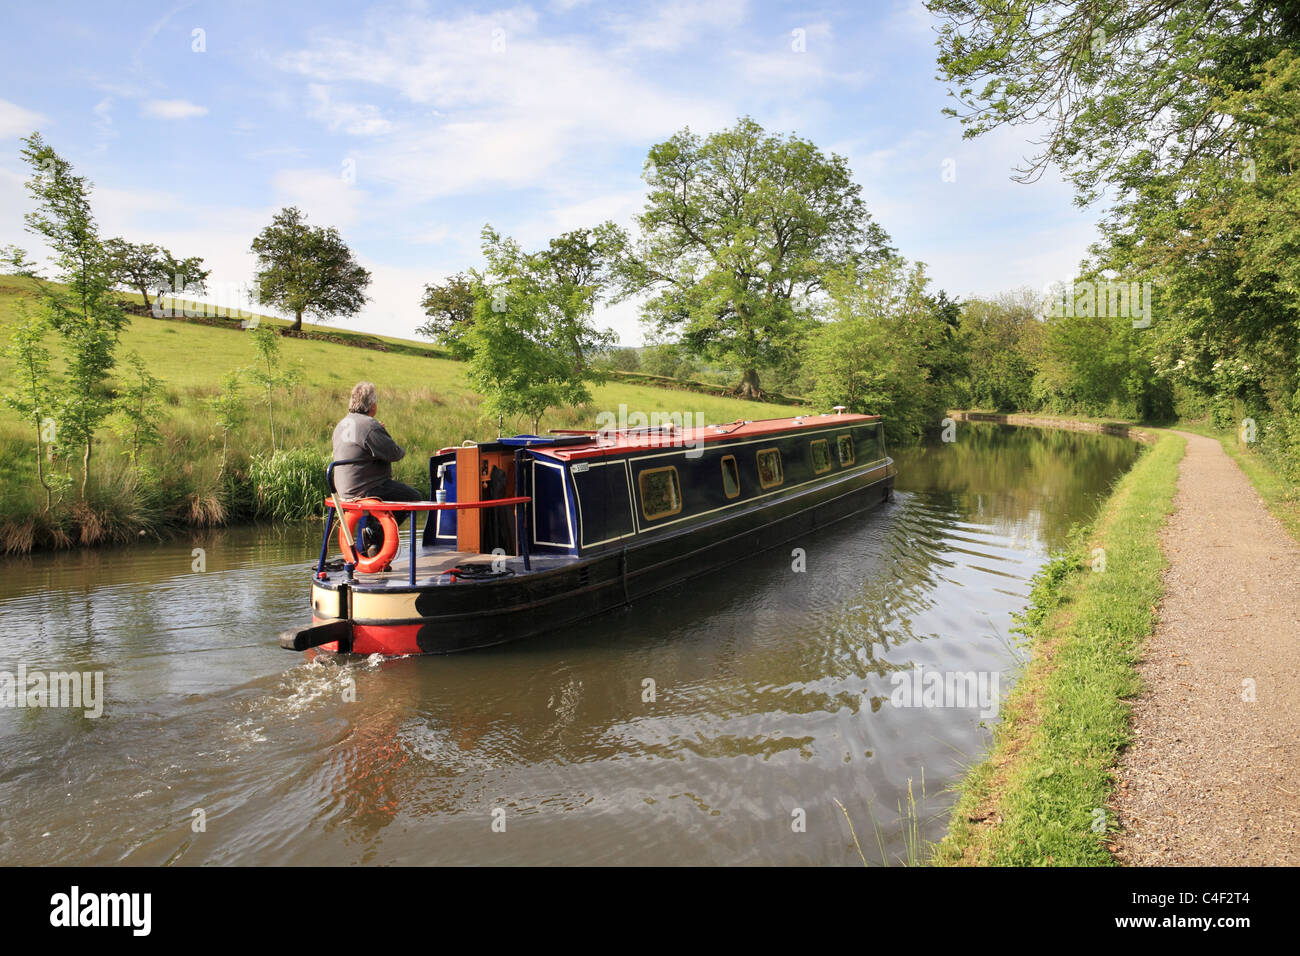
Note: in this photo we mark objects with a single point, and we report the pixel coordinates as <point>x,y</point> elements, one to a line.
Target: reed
<point>289,485</point>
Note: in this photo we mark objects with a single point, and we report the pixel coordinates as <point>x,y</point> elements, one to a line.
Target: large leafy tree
<point>1119,90</point>
<point>740,228</point>
<point>1002,340</point>
<point>1221,236</point>
<point>532,340</point>
<point>449,307</point>
<point>307,270</point>
<point>872,351</point>
<point>149,268</point>
<point>1185,113</point>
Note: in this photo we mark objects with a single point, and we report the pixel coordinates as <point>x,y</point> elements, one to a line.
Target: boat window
<point>845,443</point>
<point>730,476</point>
<point>769,468</point>
<point>821,456</point>
<point>661,492</point>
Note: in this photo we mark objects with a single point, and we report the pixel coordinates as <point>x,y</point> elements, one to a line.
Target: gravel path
<point>1210,778</point>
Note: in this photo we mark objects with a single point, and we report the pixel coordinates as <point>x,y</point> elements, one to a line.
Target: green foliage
<point>670,360</point>
<point>81,310</point>
<point>871,353</point>
<point>739,229</point>
<point>147,267</point>
<point>304,269</point>
<point>1002,340</point>
<point>450,311</point>
<point>137,407</point>
<point>32,393</point>
<point>1189,114</point>
<point>266,372</point>
<point>289,485</point>
<point>621,360</point>
<point>1096,365</point>
<point>1125,89</point>
<point>229,410</point>
<point>531,340</point>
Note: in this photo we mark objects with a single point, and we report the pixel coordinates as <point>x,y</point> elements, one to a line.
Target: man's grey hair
<point>363,398</point>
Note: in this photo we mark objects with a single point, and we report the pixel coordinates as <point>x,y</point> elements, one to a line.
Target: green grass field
<point>423,400</point>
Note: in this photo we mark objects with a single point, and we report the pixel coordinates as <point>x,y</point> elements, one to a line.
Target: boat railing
<point>333,503</point>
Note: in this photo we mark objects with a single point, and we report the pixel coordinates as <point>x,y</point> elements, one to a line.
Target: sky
<point>408,126</point>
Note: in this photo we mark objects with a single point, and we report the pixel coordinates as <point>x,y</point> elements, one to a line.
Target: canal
<point>743,718</point>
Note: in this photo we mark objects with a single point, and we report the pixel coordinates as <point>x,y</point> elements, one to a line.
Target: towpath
<point>1213,774</point>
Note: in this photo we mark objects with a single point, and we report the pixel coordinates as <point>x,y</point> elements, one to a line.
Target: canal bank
<point>1155,723</point>
<point>1042,794</point>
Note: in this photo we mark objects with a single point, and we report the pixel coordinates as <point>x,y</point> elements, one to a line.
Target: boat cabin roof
<point>601,444</point>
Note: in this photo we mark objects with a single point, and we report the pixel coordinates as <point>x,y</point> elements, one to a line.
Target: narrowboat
<point>531,534</point>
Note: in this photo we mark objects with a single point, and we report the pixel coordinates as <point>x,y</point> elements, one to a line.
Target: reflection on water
<point>770,696</point>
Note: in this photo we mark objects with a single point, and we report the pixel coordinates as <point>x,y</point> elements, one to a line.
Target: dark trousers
<point>388,490</point>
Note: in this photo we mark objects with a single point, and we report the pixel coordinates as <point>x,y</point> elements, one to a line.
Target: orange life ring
<point>387,523</point>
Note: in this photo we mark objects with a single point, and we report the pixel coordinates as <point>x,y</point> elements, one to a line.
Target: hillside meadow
<point>424,402</point>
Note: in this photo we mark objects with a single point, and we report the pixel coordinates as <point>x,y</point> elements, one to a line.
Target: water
<point>771,696</point>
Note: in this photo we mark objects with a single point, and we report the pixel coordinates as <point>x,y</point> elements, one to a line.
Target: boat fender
<point>391,539</point>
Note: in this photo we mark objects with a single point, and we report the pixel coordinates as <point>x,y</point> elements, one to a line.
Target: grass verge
<point>1040,796</point>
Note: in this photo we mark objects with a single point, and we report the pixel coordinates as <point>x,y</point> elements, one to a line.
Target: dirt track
<point>1212,778</point>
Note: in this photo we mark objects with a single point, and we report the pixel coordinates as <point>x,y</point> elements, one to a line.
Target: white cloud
<point>678,23</point>
<point>328,198</point>
<point>503,106</point>
<point>352,118</point>
<point>172,109</point>
<point>16,121</point>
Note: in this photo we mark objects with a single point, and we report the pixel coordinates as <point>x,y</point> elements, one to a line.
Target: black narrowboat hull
<point>476,614</point>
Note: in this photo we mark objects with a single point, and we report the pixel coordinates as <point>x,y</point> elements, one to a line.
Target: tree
<point>1124,88</point>
<point>31,394</point>
<point>82,311</point>
<point>450,311</point>
<point>623,360</point>
<point>739,230</point>
<point>870,353</point>
<point>1093,364</point>
<point>229,410</point>
<point>1187,114</point>
<point>1001,337</point>
<point>267,372</point>
<point>1219,239</point>
<point>304,269</point>
<point>670,360</point>
<point>147,268</point>
<point>531,339</point>
<point>137,407</point>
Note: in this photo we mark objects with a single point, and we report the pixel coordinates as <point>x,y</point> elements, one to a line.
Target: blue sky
<point>409,125</point>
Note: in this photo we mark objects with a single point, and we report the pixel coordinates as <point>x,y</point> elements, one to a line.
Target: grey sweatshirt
<point>360,436</point>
